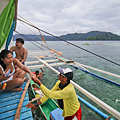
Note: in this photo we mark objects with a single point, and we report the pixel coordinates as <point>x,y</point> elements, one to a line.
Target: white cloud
<point>69,16</point>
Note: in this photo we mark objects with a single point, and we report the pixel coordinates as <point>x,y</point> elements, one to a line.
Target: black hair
<point>36,71</point>
<point>3,54</point>
<point>20,40</point>
<point>69,76</point>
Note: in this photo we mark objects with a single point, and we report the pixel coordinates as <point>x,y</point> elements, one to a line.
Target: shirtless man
<point>20,51</point>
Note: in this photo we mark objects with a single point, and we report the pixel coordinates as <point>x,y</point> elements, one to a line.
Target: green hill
<point>93,35</point>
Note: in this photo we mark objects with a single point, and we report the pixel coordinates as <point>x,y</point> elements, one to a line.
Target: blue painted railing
<point>97,76</point>
<point>94,108</point>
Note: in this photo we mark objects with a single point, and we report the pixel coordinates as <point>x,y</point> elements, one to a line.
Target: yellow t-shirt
<point>68,94</point>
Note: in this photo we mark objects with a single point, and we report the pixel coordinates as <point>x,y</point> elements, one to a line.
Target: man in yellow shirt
<point>64,91</point>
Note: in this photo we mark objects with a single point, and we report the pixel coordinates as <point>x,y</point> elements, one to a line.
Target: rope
<point>29,39</point>
<point>37,36</point>
<point>70,43</point>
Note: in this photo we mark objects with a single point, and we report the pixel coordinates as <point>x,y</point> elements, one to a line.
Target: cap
<point>64,71</point>
<point>67,72</point>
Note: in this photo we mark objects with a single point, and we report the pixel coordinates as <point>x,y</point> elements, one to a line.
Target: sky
<point>60,17</point>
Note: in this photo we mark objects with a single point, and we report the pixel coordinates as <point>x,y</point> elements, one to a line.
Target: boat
<point>44,61</point>
<point>48,106</point>
<point>85,43</point>
<point>97,43</point>
<point>12,104</point>
<point>50,64</point>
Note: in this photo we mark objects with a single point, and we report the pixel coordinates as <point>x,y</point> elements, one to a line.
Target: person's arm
<point>2,78</point>
<point>41,70</point>
<point>25,55</point>
<point>36,80</point>
<point>21,66</point>
<point>33,106</point>
<point>12,49</point>
<point>52,94</point>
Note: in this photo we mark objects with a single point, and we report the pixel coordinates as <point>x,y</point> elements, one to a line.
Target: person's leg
<point>13,84</point>
<point>22,74</point>
<point>17,89</point>
<point>19,73</point>
<point>0,86</point>
<point>24,79</point>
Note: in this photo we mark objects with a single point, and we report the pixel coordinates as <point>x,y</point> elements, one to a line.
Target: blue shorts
<point>22,63</point>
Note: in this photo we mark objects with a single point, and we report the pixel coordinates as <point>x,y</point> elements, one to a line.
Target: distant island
<point>92,36</point>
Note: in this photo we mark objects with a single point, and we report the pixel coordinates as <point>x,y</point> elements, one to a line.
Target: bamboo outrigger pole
<point>18,111</point>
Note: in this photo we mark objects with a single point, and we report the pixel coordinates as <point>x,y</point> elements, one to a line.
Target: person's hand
<point>32,75</point>
<point>41,69</point>
<point>32,106</point>
<point>36,80</point>
<point>3,77</point>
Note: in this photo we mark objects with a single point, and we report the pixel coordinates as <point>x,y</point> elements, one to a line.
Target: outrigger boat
<point>63,61</point>
<point>10,100</point>
<point>48,106</point>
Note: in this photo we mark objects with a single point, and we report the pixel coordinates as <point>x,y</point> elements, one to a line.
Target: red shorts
<point>77,115</point>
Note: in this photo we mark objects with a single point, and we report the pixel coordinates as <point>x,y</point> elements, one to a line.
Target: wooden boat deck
<point>9,102</point>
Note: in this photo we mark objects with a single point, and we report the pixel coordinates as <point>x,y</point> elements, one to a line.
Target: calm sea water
<point>101,89</point>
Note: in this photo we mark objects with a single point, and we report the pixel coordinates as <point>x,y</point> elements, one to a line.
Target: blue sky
<point>60,17</point>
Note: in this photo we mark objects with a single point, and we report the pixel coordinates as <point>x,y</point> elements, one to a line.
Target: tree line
<point>93,35</point>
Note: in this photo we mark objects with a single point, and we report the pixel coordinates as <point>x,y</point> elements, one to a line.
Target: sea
<point>103,90</point>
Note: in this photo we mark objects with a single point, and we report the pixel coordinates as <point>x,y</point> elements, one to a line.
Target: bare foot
<point>24,79</point>
<point>17,89</point>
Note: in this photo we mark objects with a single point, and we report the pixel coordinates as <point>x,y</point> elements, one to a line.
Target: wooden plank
<point>12,118</point>
<point>11,97</point>
<point>12,106</point>
<point>25,115</point>
<point>11,102</point>
<point>8,94</point>
<point>12,113</point>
